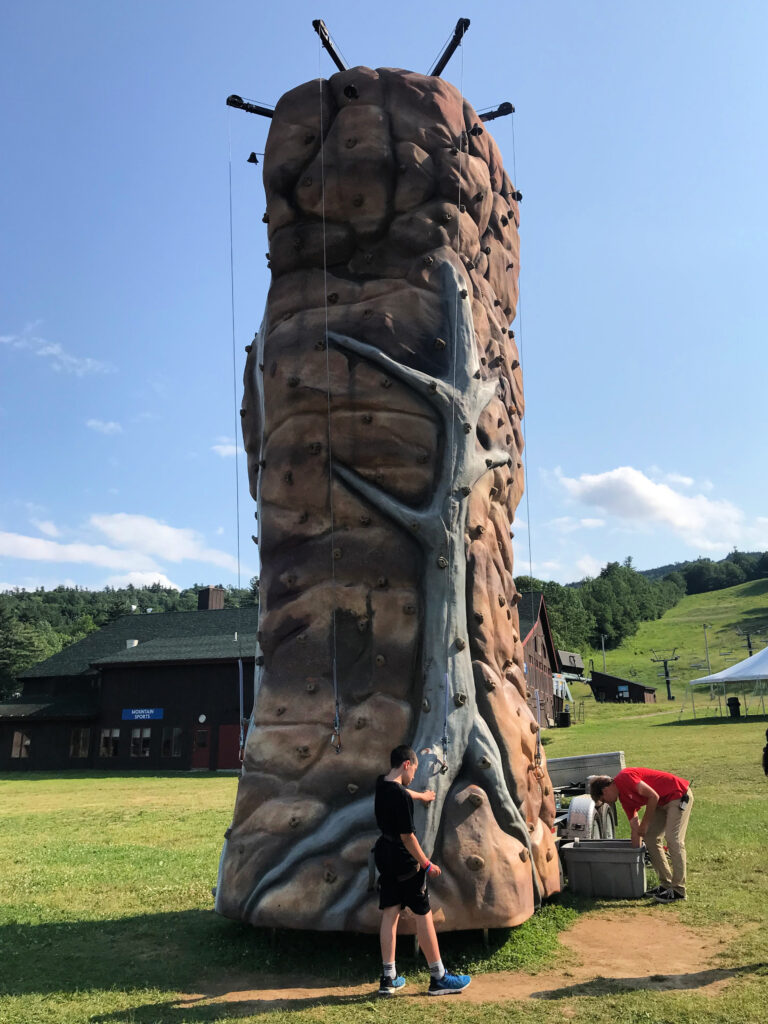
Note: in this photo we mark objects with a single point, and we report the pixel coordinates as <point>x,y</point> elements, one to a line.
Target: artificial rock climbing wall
<point>381,418</point>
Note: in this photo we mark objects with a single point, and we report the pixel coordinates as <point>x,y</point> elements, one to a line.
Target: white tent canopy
<point>751,669</point>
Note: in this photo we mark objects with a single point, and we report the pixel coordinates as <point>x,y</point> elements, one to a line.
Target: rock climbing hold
<point>248,348</point>
<point>350,143</point>
<point>361,722</point>
<point>459,699</point>
<point>380,660</point>
<point>475,799</point>
<point>280,710</point>
<point>350,91</point>
<point>466,491</point>
<point>303,752</point>
<point>333,298</point>
<point>489,684</point>
<point>463,293</point>
<point>320,345</point>
<point>467,428</point>
<point>439,344</point>
<point>315,448</point>
<point>382,581</point>
<point>442,562</point>
<point>386,383</point>
<point>428,261</point>
<point>474,863</point>
<point>352,787</point>
<point>302,638</point>
<point>524,855</point>
<point>409,609</point>
<point>502,600</point>
<point>516,195</point>
<point>329,875</point>
<point>304,517</point>
<point>460,644</point>
<point>265,219</point>
<point>293,382</point>
<point>425,705</point>
<point>294,821</point>
<point>367,418</point>
<point>288,476</point>
<point>358,200</point>
<point>365,519</point>
<point>337,553</point>
<point>479,617</point>
<point>483,762</point>
<point>306,182</point>
<point>362,625</point>
<point>421,458</point>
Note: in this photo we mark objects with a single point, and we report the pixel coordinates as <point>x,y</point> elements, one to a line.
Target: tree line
<point>612,604</point>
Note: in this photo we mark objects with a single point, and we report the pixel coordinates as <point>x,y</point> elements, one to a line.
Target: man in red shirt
<point>668,801</point>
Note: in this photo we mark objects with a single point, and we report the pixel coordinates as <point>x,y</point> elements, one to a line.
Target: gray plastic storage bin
<point>612,868</point>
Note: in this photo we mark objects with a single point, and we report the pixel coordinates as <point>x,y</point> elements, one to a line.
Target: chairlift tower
<point>665,659</point>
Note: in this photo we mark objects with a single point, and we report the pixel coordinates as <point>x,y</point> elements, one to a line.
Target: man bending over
<point>668,801</point>
<point>404,870</point>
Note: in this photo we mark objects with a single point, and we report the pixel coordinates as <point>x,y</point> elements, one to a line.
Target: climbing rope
<point>452,503</point>
<point>336,734</point>
<point>236,414</point>
<point>522,372</point>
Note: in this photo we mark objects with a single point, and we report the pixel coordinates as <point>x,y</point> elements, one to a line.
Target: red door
<point>229,747</point>
<point>201,750</point>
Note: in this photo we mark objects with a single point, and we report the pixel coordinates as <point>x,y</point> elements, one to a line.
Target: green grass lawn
<point>105,902</point>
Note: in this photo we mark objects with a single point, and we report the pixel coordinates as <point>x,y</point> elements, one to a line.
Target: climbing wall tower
<point>381,418</point>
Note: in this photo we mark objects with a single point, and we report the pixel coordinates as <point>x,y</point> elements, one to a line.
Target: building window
<point>201,738</point>
<point>110,739</point>
<point>171,742</point>
<point>140,741</point>
<point>21,744</point>
<point>79,742</point>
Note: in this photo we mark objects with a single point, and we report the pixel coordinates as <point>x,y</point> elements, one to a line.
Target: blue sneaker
<point>390,986</point>
<point>448,985</point>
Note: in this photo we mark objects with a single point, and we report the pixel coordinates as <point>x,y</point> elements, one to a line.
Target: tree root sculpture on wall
<point>381,419</point>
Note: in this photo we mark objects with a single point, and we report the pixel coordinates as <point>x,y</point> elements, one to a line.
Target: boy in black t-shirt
<point>404,869</point>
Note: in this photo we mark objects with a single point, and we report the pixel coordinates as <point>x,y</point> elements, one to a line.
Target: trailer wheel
<point>607,828</point>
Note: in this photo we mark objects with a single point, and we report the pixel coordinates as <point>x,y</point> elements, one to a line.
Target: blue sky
<point>641,153</point>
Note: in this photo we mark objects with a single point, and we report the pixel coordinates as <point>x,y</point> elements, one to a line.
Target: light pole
<point>706,649</point>
<point>602,642</point>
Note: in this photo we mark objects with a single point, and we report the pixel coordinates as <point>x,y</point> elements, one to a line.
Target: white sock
<point>388,970</point>
<point>436,970</point>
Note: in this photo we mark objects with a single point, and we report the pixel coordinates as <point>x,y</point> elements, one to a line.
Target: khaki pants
<point>669,822</point>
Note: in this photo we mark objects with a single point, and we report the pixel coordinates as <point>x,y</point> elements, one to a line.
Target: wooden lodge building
<point>145,691</point>
<point>541,659</point>
<point>614,690</point>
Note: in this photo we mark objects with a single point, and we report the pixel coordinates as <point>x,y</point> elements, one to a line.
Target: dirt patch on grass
<point>607,952</point>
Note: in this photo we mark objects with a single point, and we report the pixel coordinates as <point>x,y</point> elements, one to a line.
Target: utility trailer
<point>577,816</point>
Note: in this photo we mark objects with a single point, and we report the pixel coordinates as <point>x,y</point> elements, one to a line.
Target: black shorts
<point>412,893</point>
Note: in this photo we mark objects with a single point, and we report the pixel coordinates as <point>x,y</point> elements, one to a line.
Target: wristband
<point>428,868</point>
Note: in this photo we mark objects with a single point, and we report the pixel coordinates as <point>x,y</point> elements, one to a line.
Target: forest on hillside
<point>34,624</point>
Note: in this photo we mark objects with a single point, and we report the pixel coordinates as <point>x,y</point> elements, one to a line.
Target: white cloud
<point>47,527</point>
<point>142,579</point>
<point>589,566</point>
<point>567,524</point>
<point>36,549</point>
<point>630,495</point>
<point>226,451</point>
<point>104,426</point>
<point>151,537</point>
<point>56,355</point>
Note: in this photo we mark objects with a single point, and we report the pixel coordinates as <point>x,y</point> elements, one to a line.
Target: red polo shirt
<point>669,787</point>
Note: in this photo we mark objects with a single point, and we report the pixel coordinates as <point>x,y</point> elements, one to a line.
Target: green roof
<point>68,707</point>
<point>197,648</point>
<point>108,643</point>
